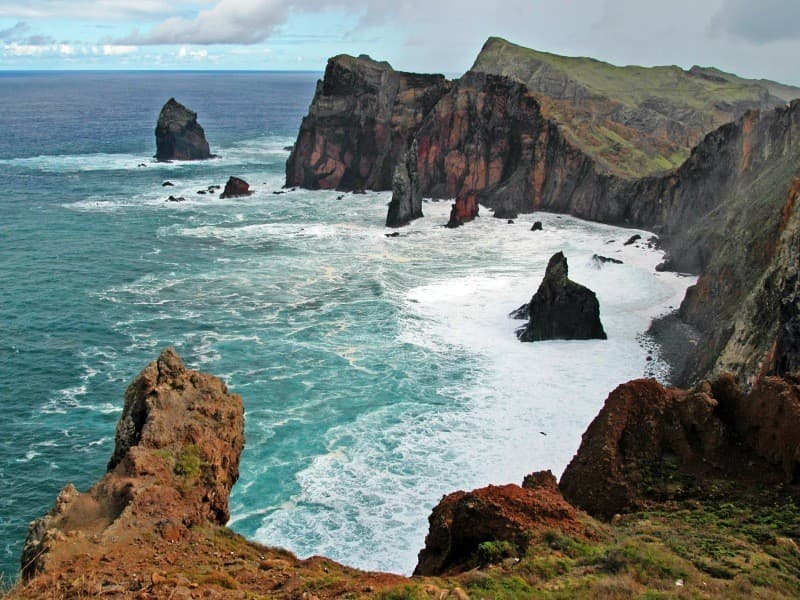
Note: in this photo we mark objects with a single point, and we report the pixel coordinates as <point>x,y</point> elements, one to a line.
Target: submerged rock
<point>178,134</point>
<point>561,308</point>
<point>236,188</point>
<point>601,260</point>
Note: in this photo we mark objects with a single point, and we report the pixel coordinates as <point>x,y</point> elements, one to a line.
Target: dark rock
<point>178,134</point>
<point>537,226</point>
<point>174,199</point>
<point>278,192</point>
<point>288,148</point>
<point>340,197</point>
<point>392,235</point>
<point>601,260</point>
<point>202,192</point>
<point>522,313</point>
<point>633,239</point>
<point>236,188</point>
<point>509,513</point>
<point>167,184</point>
<point>363,116</point>
<point>562,309</point>
<point>406,203</point>
<point>510,222</point>
<point>141,165</point>
<point>463,211</point>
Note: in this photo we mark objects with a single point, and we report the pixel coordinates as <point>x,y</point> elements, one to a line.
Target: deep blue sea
<point>377,373</point>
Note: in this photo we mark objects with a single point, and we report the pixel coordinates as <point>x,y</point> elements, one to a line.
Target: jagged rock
<point>464,210</point>
<point>167,184</point>
<point>632,240</point>
<point>236,188</point>
<point>176,199</point>
<point>509,513</point>
<point>176,458</point>
<point>363,116</point>
<point>601,260</point>
<point>561,308</point>
<point>537,226</point>
<point>406,204</point>
<point>178,134</point>
<point>640,427</point>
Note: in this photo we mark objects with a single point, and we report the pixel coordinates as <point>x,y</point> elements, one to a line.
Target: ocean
<point>378,373</point>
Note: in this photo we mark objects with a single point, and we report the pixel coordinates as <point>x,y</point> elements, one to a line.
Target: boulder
<point>176,458</point>
<point>178,134</point>
<point>561,308</point>
<point>464,210</point>
<point>602,260</point>
<point>508,513</point>
<point>537,226</point>
<point>236,188</point>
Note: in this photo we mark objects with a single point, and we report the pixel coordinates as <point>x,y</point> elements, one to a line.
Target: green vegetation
<point>189,463</point>
<point>634,121</point>
<point>490,553</point>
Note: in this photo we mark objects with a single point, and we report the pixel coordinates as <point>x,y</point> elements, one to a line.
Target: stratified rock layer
<point>363,117</point>
<point>561,309</point>
<point>508,513</point>
<point>175,460</point>
<point>178,134</point>
<point>406,204</point>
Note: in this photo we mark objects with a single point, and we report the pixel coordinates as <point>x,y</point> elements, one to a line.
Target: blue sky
<point>756,39</point>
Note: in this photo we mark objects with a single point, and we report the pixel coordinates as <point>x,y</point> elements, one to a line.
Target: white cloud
<point>17,49</point>
<point>118,50</point>
<point>95,10</point>
<point>185,53</point>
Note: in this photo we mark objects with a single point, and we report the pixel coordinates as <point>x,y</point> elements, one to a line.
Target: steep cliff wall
<point>363,116</point>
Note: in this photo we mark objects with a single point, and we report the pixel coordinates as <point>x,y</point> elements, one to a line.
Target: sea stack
<point>178,134</point>
<point>562,309</point>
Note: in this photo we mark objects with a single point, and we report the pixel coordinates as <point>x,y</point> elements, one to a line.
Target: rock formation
<point>509,513</point>
<point>236,188</point>
<point>178,134</point>
<point>561,308</point>
<point>175,460</point>
<point>406,204</point>
<point>363,117</point>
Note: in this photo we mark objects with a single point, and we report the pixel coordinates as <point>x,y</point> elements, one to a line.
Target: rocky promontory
<point>178,134</point>
<point>561,309</point>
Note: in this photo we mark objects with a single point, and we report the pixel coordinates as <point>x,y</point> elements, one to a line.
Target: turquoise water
<point>377,373</point>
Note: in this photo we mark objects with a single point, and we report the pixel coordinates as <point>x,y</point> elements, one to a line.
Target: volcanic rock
<point>632,240</point>
<point>640,427</point>
<point>508,513</point>
<point>406,204</point>
<point>464,210</point>
<point>178,134</point>
<point>236,188</point>
<point>537,226</point>
<point>363,117</point>
<point>561,308</point>
<point>176,457</point>
<point>601,260</point>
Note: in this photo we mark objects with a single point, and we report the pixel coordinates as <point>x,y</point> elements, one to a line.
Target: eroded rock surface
<point>178,134</point>
<point>561,308</point>
<point>236,188</point>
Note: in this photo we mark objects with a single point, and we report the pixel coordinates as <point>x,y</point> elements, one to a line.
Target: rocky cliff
<point>178,134</point>
<point>362,119</point>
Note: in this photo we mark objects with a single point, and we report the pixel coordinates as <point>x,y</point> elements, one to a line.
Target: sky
<point>754,38</point>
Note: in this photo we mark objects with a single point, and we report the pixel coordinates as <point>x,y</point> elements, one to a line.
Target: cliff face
<point>362,118</point>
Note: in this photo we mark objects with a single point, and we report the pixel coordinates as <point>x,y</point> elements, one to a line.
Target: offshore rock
<point>236,188</point>
<point>406,203</point>
<point>639,429</point>
<point>176,458</point>
<point>178,134</point>
<point>561,308</point>
<point>363,117</point>
<point>510,513</point>
<point>464,210</point>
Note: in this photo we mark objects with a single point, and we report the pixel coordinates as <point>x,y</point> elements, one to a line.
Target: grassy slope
<point>601,107</point>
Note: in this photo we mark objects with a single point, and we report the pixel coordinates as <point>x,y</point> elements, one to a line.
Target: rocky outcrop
<point>363,117</point>
<point>236,188</point>
<point>178,134</point>
<point>176,458</point>
<point>561,308</point>
<point>641,425</point>
<point>653,443</point>
<point>464,210</point>
<point>462,521</point>
<point>406,204</point>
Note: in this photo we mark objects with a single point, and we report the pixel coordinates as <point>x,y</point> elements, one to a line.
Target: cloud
<point>17,49</point>
<point>185,53</point>
<point>96,10</point>
<point>117,50</point>
<point>15,32</point>
<point>760,22</point>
